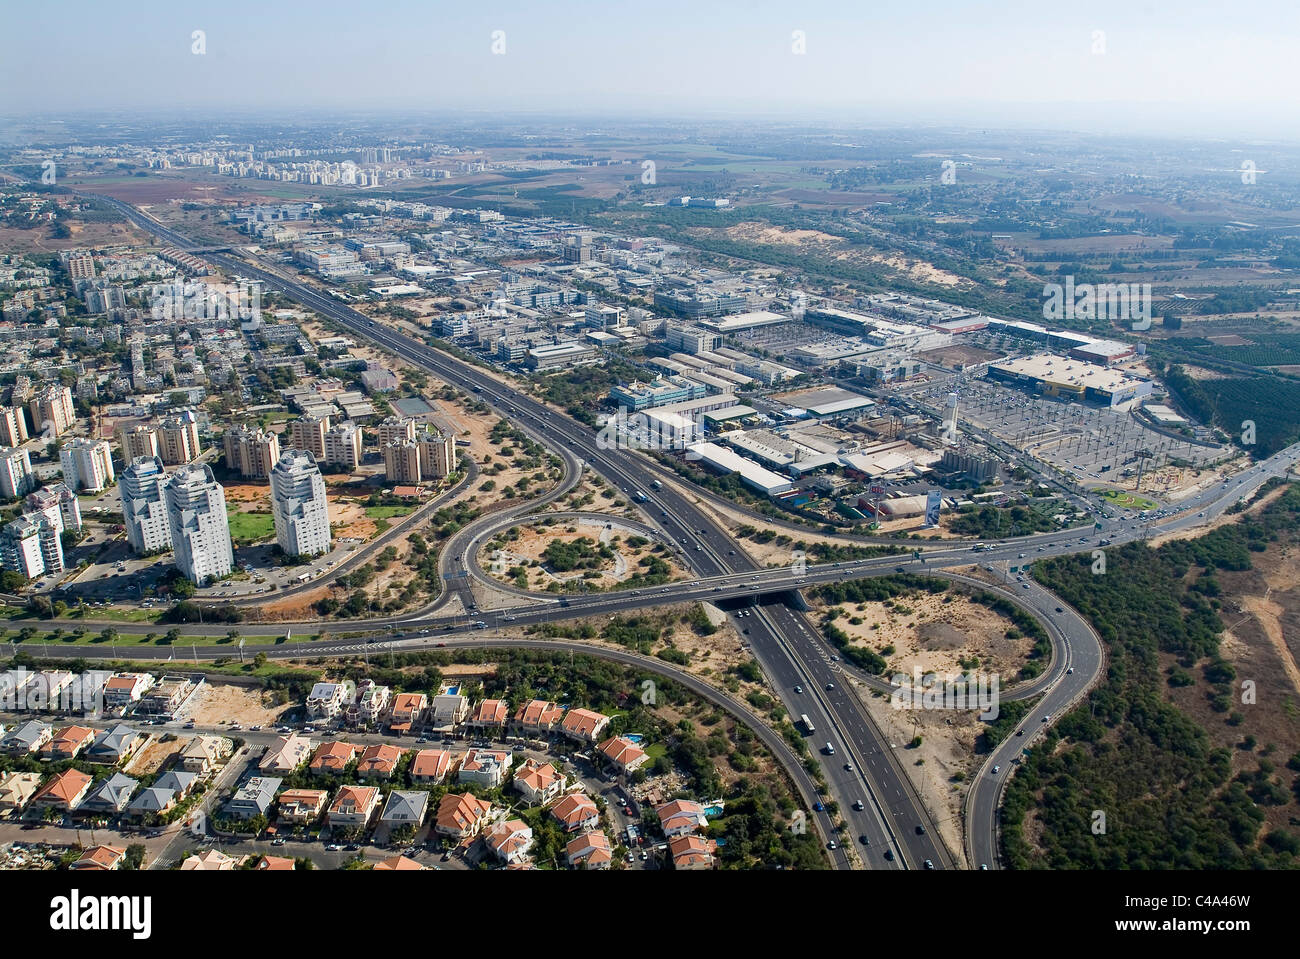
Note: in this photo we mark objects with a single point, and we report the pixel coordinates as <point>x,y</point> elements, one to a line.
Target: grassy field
<point>1127,500</point>
<point>251,527</point>
<point>388,512</point>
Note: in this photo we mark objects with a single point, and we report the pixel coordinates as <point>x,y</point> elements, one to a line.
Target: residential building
<point>144,512</point>
<point>487,767</point>
<point>17,789</point>
<point>51,411</point>
<point>538,717</point>
<point>343,446</point>
<point>509,839</point>
<point>308,433</point>
<point>58,504</point>
<point>408,712</point>
<point>137,441</point>
<point>332,758</point>
<point>65,791</point>
<point>200,530</point>
<point>279,864</point>
<point>87,464</point>
<point>299,505</point>
<point>151,803</point>
<point>447,711</point>
<point>395,429</point>
<point>691,852</point>
<point>437,454</point>
<point>170,696</point>
<point>301,807</point>
<point>590,850</point>
<point>353,807</point>
<point>286,754</point>
<point>251,454</point>
<point>112,795</point>
<point>210,860</point>
<point>576,811</point>
<point>681,816</point>
<point>405,808</point>
<point>538,782</point>
<point>462,816</point>
<point>178,438</point>
<point>123,689</point>
<point>30,545</point>
<point>399,864</point>
<point>100,859</point>
<point>626,755</point>
<point>13,426</point>
<point>584,725</point>
<point>178,781</point>
<point>16,476</point>
<point>489,714</point>
<point>369,704</point>
<point>26,738</point>
<point>253,798</point>
<point>326,700</point>
<point>402,462</point>
<point>379,761</point>
<point>67,743</point>
<point>430,766</point>
<point>205,753</point>
<point>115,745</point>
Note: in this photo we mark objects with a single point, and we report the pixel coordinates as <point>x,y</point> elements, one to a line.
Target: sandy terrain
<point>221,703</point>
<point>533,541</point>
<point>154,757</point>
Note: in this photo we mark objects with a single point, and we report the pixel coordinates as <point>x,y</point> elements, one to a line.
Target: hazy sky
<point>1204,68</point>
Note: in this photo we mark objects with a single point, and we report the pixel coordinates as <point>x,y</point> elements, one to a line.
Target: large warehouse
<point>1073,379</point>
<point>727,461</point>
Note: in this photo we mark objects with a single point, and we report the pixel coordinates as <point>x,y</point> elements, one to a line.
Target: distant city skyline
<point>1195,68</point>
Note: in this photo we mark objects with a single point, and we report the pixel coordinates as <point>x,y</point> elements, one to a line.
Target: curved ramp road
<point>789,650</point>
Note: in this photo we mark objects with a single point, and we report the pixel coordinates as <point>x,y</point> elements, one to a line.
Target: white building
<point>200,531</point>
<point>298,503</point>
<point>16,476</point>
<point>343,446</point>
<point>87,464</point>
<point>143,509</point>
<point>30,545</point>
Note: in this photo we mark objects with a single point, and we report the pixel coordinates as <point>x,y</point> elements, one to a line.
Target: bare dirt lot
<point>222,703</point>
<point>628,550</point>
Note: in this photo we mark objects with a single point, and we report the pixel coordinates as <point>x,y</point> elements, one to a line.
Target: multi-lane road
<point>865,771</point>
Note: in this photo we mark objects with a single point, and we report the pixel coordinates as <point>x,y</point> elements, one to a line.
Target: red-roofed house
<point>398,864</point>
<point>430,766</point>
<point>539,782</point>
<point>407,712</point>
<point>353,807</point>
<point>681,816</point>
<point>100,858</point>
<point>332,758</point>
<point>302,806</point>
<point>275,864</point>
<point>379,761</point>
<point>576,811</point>
<point>624,754</point>
<point>489,714</point>
<point>486,767</point>
<point>590,849</point>
<point>538,717</point>
<point>691,852</point>
<point>509,839</point>
<point>462,816</point>
<point>64,791</point>
<point>67,743</point>
<point>584,725</point>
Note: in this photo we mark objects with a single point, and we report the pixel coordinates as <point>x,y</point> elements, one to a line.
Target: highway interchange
<point>866,771</point>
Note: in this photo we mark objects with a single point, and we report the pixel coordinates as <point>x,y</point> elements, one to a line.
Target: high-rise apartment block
<point>200,530</point>
<point>298,503</point>
<point>87,464</point>
<point>251,454</point>
<point>144,510</point>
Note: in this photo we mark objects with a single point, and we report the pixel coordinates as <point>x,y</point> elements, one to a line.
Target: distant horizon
<point>1187,69</point>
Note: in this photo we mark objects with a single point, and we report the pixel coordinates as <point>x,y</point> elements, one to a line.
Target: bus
<point>807,724</point>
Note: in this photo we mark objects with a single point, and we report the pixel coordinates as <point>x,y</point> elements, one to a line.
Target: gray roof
<point>112,792</point>
<point>28,734</point>
<point>405,806</point>
<point>176,780</point>
<point>152,799</point>
<point>115,741</point>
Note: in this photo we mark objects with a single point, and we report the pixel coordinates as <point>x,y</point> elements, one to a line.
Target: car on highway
<point>831,845</point>
<point>819,807</point>
<point>1047,717</point>
<point>799,689</point>
<point>920,830</point>
<point>997,769</point>
<point>848,767</point>
<point>864,839</point>
<point>830,686</point>
<point>1070,670</point>
<point>929,864</point>
<point>889,854</point>
<point>859,805</point>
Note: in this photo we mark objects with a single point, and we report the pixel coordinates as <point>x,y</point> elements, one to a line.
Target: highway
<point>788,649</point>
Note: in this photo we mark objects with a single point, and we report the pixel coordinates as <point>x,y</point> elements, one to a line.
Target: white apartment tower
<point>16,476</point>
<point>87,464</point>
<point>148,529</point>
<point>200,531</point>
<point>302,522</point>
<point>343,446</point>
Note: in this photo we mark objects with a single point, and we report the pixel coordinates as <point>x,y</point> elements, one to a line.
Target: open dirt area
<point>224,703</point>
<point>627,550</point>
<point>154,756</point>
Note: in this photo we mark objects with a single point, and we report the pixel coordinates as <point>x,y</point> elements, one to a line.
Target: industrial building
<point>728,461</point>
<point>1072,379</point>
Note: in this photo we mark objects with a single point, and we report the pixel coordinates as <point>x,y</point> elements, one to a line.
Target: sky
<point>1199,68</point>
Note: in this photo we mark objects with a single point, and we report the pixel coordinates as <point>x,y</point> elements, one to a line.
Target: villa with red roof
<point>624,754</point>
<point>538,717</point>
<point>584,725</point>
<point>681,816</point>
<point>590,849</point>
<point>539,782</point>
<point>576,811</point>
